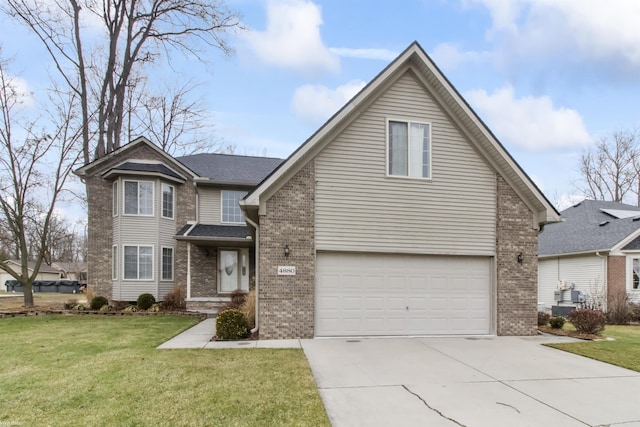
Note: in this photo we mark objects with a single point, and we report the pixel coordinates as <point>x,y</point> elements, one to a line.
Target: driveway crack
<point>431,407</point>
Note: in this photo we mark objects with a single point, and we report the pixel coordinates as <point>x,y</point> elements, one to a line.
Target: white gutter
<point>257,262</point>
<point>188,270</point>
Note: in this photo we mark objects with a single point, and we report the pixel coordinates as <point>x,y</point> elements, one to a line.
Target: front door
<point>229,277</point>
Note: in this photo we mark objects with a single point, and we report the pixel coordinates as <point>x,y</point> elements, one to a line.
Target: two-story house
<point>402,215</point>
<point>167,214</point>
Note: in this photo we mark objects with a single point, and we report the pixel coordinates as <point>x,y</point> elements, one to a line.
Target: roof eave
<point>119,172</point>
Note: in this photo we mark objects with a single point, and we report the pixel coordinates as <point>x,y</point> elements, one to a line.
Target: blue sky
<point>548,77</point>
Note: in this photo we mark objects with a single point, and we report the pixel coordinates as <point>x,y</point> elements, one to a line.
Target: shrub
<point>237,299</point>
<point>231,325</point>
<point>618,309</point>
<point>98,302</point>
<point>89,294</point>
<point>588,321</point>
<point>70,304</point>
<point>106,307</point>
<point>556,322</point>
<point>248,308</point>
<point>154,308</point>
<point>543,318</point>
<point>174,300</point>
<point>634,308</point>
<point>130,309</point>
<point>79,307</point>
<point>145,301</point>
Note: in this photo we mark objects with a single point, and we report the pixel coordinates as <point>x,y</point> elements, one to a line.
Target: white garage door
<point>366,294</point>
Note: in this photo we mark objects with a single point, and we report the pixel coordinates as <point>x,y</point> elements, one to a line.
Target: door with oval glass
<point>233,268</point>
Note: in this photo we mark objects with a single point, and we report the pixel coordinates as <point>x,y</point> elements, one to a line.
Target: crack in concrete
<point>509,406</point>
<point>432,408</point>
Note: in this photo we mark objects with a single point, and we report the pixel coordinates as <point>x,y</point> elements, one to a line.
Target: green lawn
<point>623,351</point>
<point>96,370</point>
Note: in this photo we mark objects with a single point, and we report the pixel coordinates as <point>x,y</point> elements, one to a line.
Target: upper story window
<point>409,149</point>
<point>138,198</point>
<point>230,208</point>
<point>167,201</point>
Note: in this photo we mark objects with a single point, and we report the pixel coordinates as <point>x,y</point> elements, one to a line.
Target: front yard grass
<point>96,370</point>
<point>623,351</point>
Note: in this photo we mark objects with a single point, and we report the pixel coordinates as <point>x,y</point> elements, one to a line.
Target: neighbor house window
<point>409,149</point>
<point>114,262</point>
<point>115,198</point>
<point>230,208</point>
<point>635,274</point>
<point>167,263</point>
<point>167,201</point>
<point>138,197</point>
<point>138,262</point>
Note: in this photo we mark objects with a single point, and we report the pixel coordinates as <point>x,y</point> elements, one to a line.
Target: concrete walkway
<point>199,336</point>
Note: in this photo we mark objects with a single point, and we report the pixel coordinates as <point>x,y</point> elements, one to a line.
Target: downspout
<point>257,262</point>
<point>606,273</point>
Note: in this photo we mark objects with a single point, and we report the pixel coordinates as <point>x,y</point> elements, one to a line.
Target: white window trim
<point>173,201</point>
<point>408,121</point>
<point>153,267</point>
<point>114,193</point>
<point>222,221</point>
<point>173,263</point>
<point>629,274</point>
<point>114,262</point>
<point>153,197</point>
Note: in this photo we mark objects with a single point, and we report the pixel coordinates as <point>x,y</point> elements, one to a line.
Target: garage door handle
<point>407,308</point>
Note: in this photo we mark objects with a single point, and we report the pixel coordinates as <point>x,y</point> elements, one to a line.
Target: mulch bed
<point>572,334</point>
<point>42,311</point>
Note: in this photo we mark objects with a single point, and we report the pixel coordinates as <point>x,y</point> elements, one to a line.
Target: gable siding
<point>209,201</point>
<point>587,272</point>
<point>359,208</point>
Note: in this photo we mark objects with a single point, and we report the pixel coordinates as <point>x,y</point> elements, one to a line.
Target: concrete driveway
<point>493,381</point>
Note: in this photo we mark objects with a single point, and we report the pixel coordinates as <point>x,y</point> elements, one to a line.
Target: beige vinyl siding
<point>359,208</point>
<point>152,231</point>
<point>587,272</point>
<point>209,209</point>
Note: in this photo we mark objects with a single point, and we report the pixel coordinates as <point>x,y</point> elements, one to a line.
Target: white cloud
<point>378,54</point>
<point>529,122</point>
<point>292,38</point>
<point>583,30</point>
<point>449,56</point>
<point>316,103</point>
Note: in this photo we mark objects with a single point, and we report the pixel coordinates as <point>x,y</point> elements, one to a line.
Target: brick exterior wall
<point>517,284</point>
<point>616,277</point>
<point>286,303</point>
<point>204,273</point>
<point>99,235</point>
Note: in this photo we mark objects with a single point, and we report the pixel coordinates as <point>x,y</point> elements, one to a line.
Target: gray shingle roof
<point>587,228</point>
<point>226,168</point>
<point>216,231</point>
<point>147,167</point>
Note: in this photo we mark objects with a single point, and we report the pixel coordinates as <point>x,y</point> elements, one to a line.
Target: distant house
<point>45,272</point>
<point>402,215</point>
<point>595,253</point>
<point>74,270</point>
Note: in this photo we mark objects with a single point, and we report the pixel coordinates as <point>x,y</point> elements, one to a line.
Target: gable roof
<point>413,58</point>
<point>92,167</point>
<point>136,168</point>
<point>44,267</point>
<point>230,169</point>
<point>590,226</point>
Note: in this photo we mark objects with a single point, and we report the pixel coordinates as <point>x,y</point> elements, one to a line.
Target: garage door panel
<point>365,294</point>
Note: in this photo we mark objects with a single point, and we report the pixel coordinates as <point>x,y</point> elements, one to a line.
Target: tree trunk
<point>27,289</point>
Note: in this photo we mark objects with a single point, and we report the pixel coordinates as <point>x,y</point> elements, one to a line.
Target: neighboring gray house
<point>595,250</point>
<point>401,215</point>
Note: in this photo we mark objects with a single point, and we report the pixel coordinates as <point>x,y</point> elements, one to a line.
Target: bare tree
<point>609,170</point>
<point>176,120</point>
<point>100,71</point>
<point>34,166</point>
